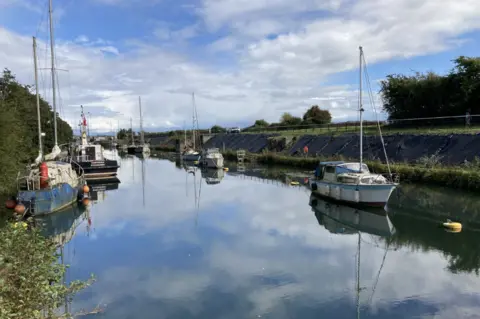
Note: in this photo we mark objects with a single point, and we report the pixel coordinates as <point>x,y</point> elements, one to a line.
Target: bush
<point>30,275</point>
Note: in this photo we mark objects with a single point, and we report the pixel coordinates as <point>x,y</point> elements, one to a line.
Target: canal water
<point>175,242</point>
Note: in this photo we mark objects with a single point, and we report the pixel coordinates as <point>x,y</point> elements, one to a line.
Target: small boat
<point>90,157</point>
<point>143,148</point>
<point>212,158</point>
<point>190,154</point>
<point>48,186</point>
<point>353,183</point>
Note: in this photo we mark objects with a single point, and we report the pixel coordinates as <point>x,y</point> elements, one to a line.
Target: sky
<point>243,59</point>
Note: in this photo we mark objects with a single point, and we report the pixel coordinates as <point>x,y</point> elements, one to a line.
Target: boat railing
<point>393,178</point>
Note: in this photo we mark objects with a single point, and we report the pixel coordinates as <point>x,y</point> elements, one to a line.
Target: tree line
<point>19,130</point>
<point>433,95</point>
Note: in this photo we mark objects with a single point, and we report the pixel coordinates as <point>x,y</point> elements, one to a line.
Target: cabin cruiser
<point>212,158</point>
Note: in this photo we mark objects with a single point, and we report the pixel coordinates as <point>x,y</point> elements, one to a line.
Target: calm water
<point>178,245</point>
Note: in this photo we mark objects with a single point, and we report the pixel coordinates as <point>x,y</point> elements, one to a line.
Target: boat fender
<point>314,186</point>
<point>452,225</point>
<point>43,175</point>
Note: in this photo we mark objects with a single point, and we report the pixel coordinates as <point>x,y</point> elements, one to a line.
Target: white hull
<point>213,162</point>
<point>376,195</point>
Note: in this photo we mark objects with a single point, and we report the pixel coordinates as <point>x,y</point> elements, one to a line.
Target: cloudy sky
<point>244,59</point>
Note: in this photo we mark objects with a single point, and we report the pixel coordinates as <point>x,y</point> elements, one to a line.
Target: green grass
<point>467,178</point>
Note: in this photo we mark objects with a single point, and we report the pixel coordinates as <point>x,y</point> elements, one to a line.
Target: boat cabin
<point>340,171</point>
<point>87,153</point>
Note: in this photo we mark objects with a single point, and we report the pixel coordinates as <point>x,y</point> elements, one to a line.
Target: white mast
<point>194,120</point>
<point>142,141</point>
<point>40,147</point>
<point>54,101</point>
<point>360,110</point>
<point>131,129</point>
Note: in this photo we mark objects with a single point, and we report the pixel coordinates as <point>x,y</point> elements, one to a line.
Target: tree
<point>290,120</point>
<point>124,134</point>
<point>19,131</point>
<point>217,129</point>
<point>261,123</point>
<point>316,115</point>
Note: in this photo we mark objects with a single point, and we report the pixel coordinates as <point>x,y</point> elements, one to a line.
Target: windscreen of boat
<point>351,168</point>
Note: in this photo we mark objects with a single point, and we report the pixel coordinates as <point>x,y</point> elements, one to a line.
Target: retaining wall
<point>452,149</point>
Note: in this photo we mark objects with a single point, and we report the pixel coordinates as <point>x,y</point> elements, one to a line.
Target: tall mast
<point>193,116</point>
<point>360,109</point>
<point>131,129</point>
<point>54,90</point>
<point>40,147</point>
<point>141,126</point>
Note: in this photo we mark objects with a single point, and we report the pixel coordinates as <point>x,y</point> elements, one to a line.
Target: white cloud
<point>244,75</point>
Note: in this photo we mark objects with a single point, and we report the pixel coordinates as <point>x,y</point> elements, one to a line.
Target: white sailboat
<point>353,182</point>
<point>190,154</point>
<point>143,148</point>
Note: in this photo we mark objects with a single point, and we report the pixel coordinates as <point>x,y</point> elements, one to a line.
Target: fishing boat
<point>190,154</point>
<point>48,185</point>
<point>212,158</point>
<point>143,148</point>
<point>352,182</point>
<point>91,159</point>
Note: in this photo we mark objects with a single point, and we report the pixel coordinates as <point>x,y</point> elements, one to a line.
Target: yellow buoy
<point>86,189</point>
<point>452,225</point>
<point>294,183</point>
<point>195,162</point>
<point>225,169</point>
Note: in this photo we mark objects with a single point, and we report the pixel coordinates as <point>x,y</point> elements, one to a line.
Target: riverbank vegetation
<point>466,177</point>
<point>19,129</point>
<point>31,277</point>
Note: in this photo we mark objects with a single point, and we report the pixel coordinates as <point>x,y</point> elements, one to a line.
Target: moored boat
<point>353,183</point>
<point>212,158</point>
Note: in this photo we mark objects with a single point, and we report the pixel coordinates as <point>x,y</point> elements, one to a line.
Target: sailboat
<point>90,157</point>
<point>190,154</point>
<point>353,182</point>
<point>51,185</point>
<point>143,148</point>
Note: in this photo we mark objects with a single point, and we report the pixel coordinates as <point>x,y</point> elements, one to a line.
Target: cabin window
<point>330,169</point>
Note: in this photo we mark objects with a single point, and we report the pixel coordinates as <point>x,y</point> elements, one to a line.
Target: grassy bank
<point>455,177</point>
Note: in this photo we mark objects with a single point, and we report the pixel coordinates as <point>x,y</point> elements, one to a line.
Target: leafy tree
<point>289,119</point>
<point>19,130</point>
<point>316,115</point>
<point>261,123</point>
<point>217,129</point>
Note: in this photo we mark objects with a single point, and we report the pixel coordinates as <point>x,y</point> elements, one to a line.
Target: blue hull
<point>45,201</point>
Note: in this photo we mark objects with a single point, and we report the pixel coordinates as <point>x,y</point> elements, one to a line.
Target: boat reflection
<point>342,219</point>
<point>61,227</point>
<point>213,176</point>
<point>97,191</point>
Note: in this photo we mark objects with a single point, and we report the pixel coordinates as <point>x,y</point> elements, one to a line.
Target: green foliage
<point>124,134</point>
<point>261,123</point>
<point>30,274</point>
<point>19,130</point>
<point>217,129</point>
<point>289,119</point>
<point>431,95</point>
<point>316,115</point>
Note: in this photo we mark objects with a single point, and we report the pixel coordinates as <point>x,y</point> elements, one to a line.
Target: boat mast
<point>40,146</point>
<point>52,55</point>
<point>360,110</point>
<point>194,119</point>
<point>131,129</point>
<point>141,121</point>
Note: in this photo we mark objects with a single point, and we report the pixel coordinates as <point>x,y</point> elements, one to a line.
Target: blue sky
<point>244,59</point>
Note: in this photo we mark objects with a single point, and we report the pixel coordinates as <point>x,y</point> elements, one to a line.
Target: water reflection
<point>343,219</point>
<point>253,248</point>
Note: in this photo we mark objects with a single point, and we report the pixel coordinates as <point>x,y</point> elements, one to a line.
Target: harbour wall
<point>452,149</point>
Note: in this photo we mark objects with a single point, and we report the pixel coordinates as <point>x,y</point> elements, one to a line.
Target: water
<point>252,248</point>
